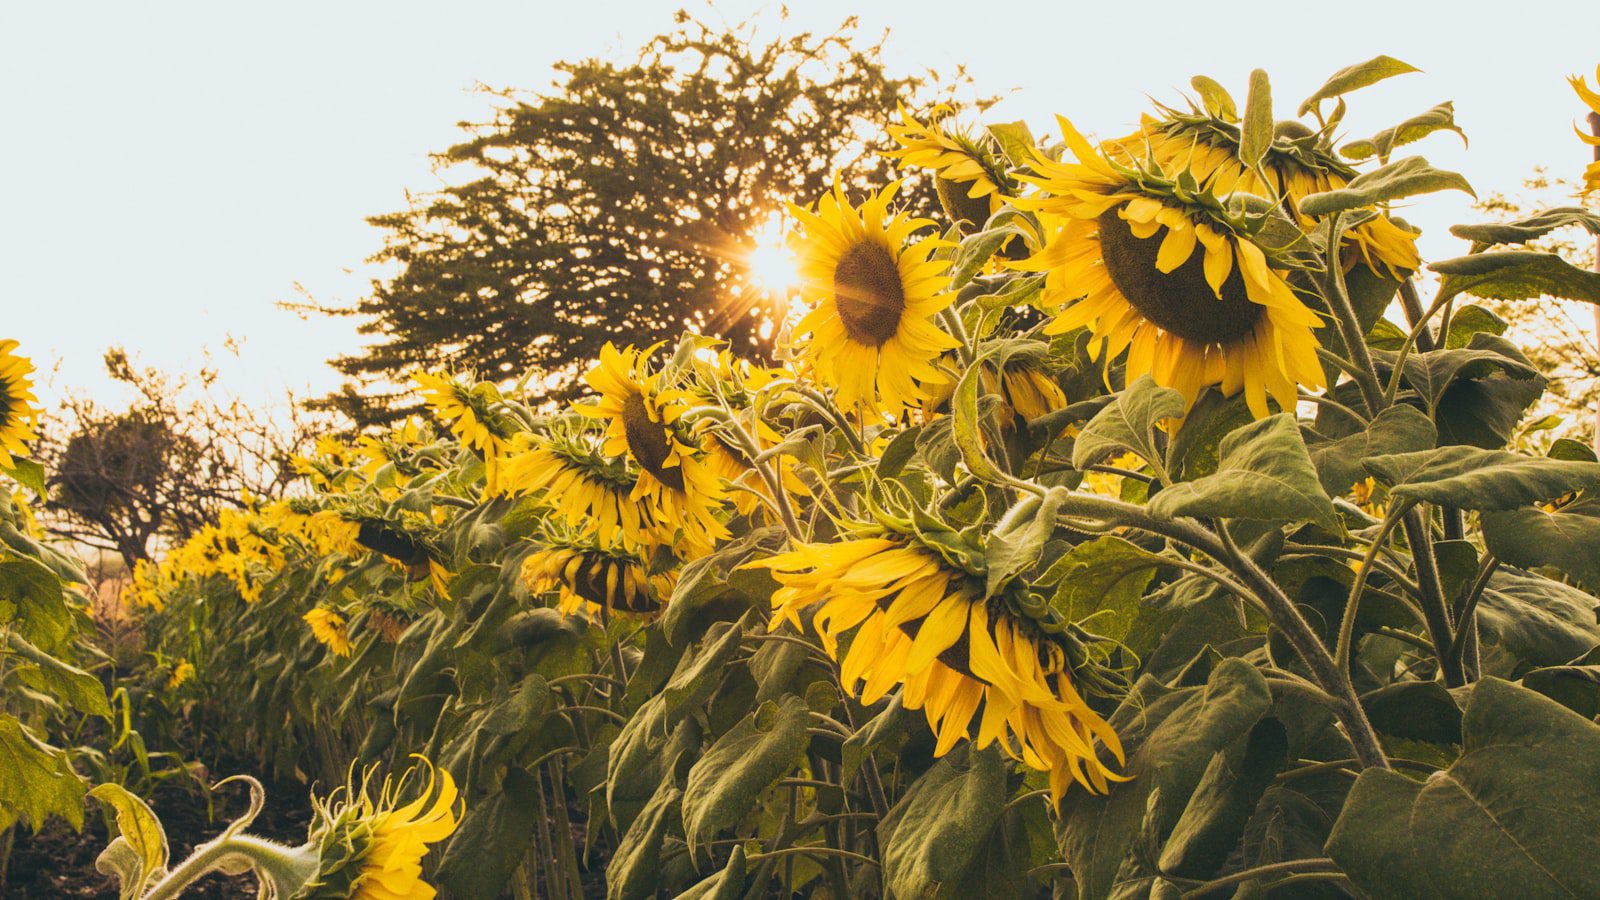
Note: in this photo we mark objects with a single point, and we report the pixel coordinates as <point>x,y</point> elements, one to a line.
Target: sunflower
<point>330,630</point>
<point>641,424</point>
<point>19,417</point>
<point>588,492</point>
<point>1299,163</point>
<point>181,672</point>
<point>744,388</point>
<point>1591,174</point>
<point>1029,391</point>
<point>1193,301</point>
<point>470,415</point>
<point>968,173</point>
<point>592,581</point>
<point>874,295</point>
<point>916,620</point>
<point>371,848</point>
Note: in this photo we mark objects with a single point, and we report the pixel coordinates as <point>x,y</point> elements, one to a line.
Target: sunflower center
<point>648,441</point>
<point>868,293</point>
<point>1180,301</point>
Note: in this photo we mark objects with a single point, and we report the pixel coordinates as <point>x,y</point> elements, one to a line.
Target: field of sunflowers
<point>1154,524</point>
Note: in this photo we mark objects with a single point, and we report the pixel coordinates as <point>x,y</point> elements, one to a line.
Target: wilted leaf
<point>635,869</point>
<point>1215,817</point>
<point>1400,179</point>
<point>724,784</point>
<point>492,839</point>
<point>141,832</point>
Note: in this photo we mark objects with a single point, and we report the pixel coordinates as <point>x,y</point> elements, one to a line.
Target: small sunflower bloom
<point>469,414</point>
<point>873,292</point>
<point>968,174</point>
<point>330,629</point>
<point>19,411</point>
<point>372,848</point>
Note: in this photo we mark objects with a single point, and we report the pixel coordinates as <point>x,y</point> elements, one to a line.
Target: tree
<point>620,207</point>
<point>165,466</point>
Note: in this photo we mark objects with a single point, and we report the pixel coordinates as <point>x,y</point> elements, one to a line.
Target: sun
<point>771,267</point>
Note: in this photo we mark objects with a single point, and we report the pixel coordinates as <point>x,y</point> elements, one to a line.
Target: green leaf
<point>1433,373</point>
<point>1128,423</point>
<point>1014,546</point>
<point>1171,736</point>
<point>1567,539</point>
<point>1516,275</point>
<point>1534,621</point>
<point>882,730</point>
<point>1215,817</point>
<point>1516,816</point>
<point>1015,139</point>
<point>1470,478</point>
<point>1255,132</point>
<point>1484,412</point>
<point>1099,584</point>
<point>1400,179</point>
<point>977,249</point>
<point>140,832</point>
<point>726,782</point>
<point>725,885</point>
<point>698,672</point>
<point>1265,472</point>
<point>1194,450</point>
<point>492,839</point>
<point>1575,686</point>
<point>1529,229</point>
<point>34,592</point>
<point>634,871</point>
<point>1414,711</point>
<point>1472,320</point>
<point>1215,98</point>
<point>522,710</point>
<point>36,780</point>
<point>965,427</point>
<point>1440,118</point>
<point>717,587</point>
<point>1356,77</point>
<point>27,473</point>
<point>1398,429</point>
<point>73,686</point>
<point>933,834</point>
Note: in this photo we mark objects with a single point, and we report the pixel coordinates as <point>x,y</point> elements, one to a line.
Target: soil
<point>58,863</point>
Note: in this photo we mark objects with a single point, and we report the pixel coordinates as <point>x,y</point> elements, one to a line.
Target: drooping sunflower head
<point>591,493</point>
<point>969,173</point>
<point>874,290</point>
<point>594,582</point>
<point>642,425</point>
<point>330,630</point>
<point>19,412</point>
<point>1173,278</point>
<point>1591,98</point>
<point>977,665</point>
<point>1299,162</point>
<point>474,414</point>
<point>371,847</point>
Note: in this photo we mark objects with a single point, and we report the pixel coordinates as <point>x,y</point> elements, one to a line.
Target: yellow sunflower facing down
<point>916,621</point>
<point>470,415</point>
<point>592,581</point>
<point>1591,98</point>
<point>641,424</point>
<point>968,173</point>
<point>1299,163</point>
<point>19,416</point>
<point>741,386</point>
<point>371,848</point>
<point>588,492</point>
<point>330,630</point>
<point>1192,302</point>
<point>874,292</point>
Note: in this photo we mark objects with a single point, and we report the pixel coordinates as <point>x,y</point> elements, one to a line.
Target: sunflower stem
<point>1347,624</point>
<point>958,329</point>
<point>1349,324</point>
<point>1435,608</point>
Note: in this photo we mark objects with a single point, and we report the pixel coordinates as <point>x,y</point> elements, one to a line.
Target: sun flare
<point>772,268</point>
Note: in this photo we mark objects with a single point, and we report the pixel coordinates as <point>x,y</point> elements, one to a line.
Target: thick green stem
<point>1435,608</point>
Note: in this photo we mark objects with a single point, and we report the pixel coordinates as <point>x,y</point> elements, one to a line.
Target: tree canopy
<point>621,206</point>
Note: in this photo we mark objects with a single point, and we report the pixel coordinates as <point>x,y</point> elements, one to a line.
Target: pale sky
<point>169,171</point>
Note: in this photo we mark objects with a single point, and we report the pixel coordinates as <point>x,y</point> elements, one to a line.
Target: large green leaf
<point>1516,275</point>
<point>1527,229</point>
<point>933,834</point>
<point>139,852</point>
<point>1360,75</point>
<point>1264,472</point>
<point>1518,815</point>
<point>492,839</point>
<point>724,784</point>
<point>1099,584</point>
<point>635,869</point>
<point>1470,478</point>
<point>727,884</point>
<point>1537,621</point>
<point>1172,736</point>
<point>1129,424</point>
<point>1567,539</point>
<point>716,587</point>
<point>1195,447</point>
<point>1439,118</point>
<point>1214,819</point>
<point>1397,180</point>
<point>1398,429</point>
<point>1255,131</point>
<point>73,686</point>
<point>1484,412</point>
<point>36,780</point>
<point>31,592</point>
<point>1432,374</point>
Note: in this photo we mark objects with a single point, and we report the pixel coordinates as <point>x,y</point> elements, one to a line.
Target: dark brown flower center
<point>1180,301</point>
<point>868,293</point>
<point>970,211</point>
<point>648,441</point>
